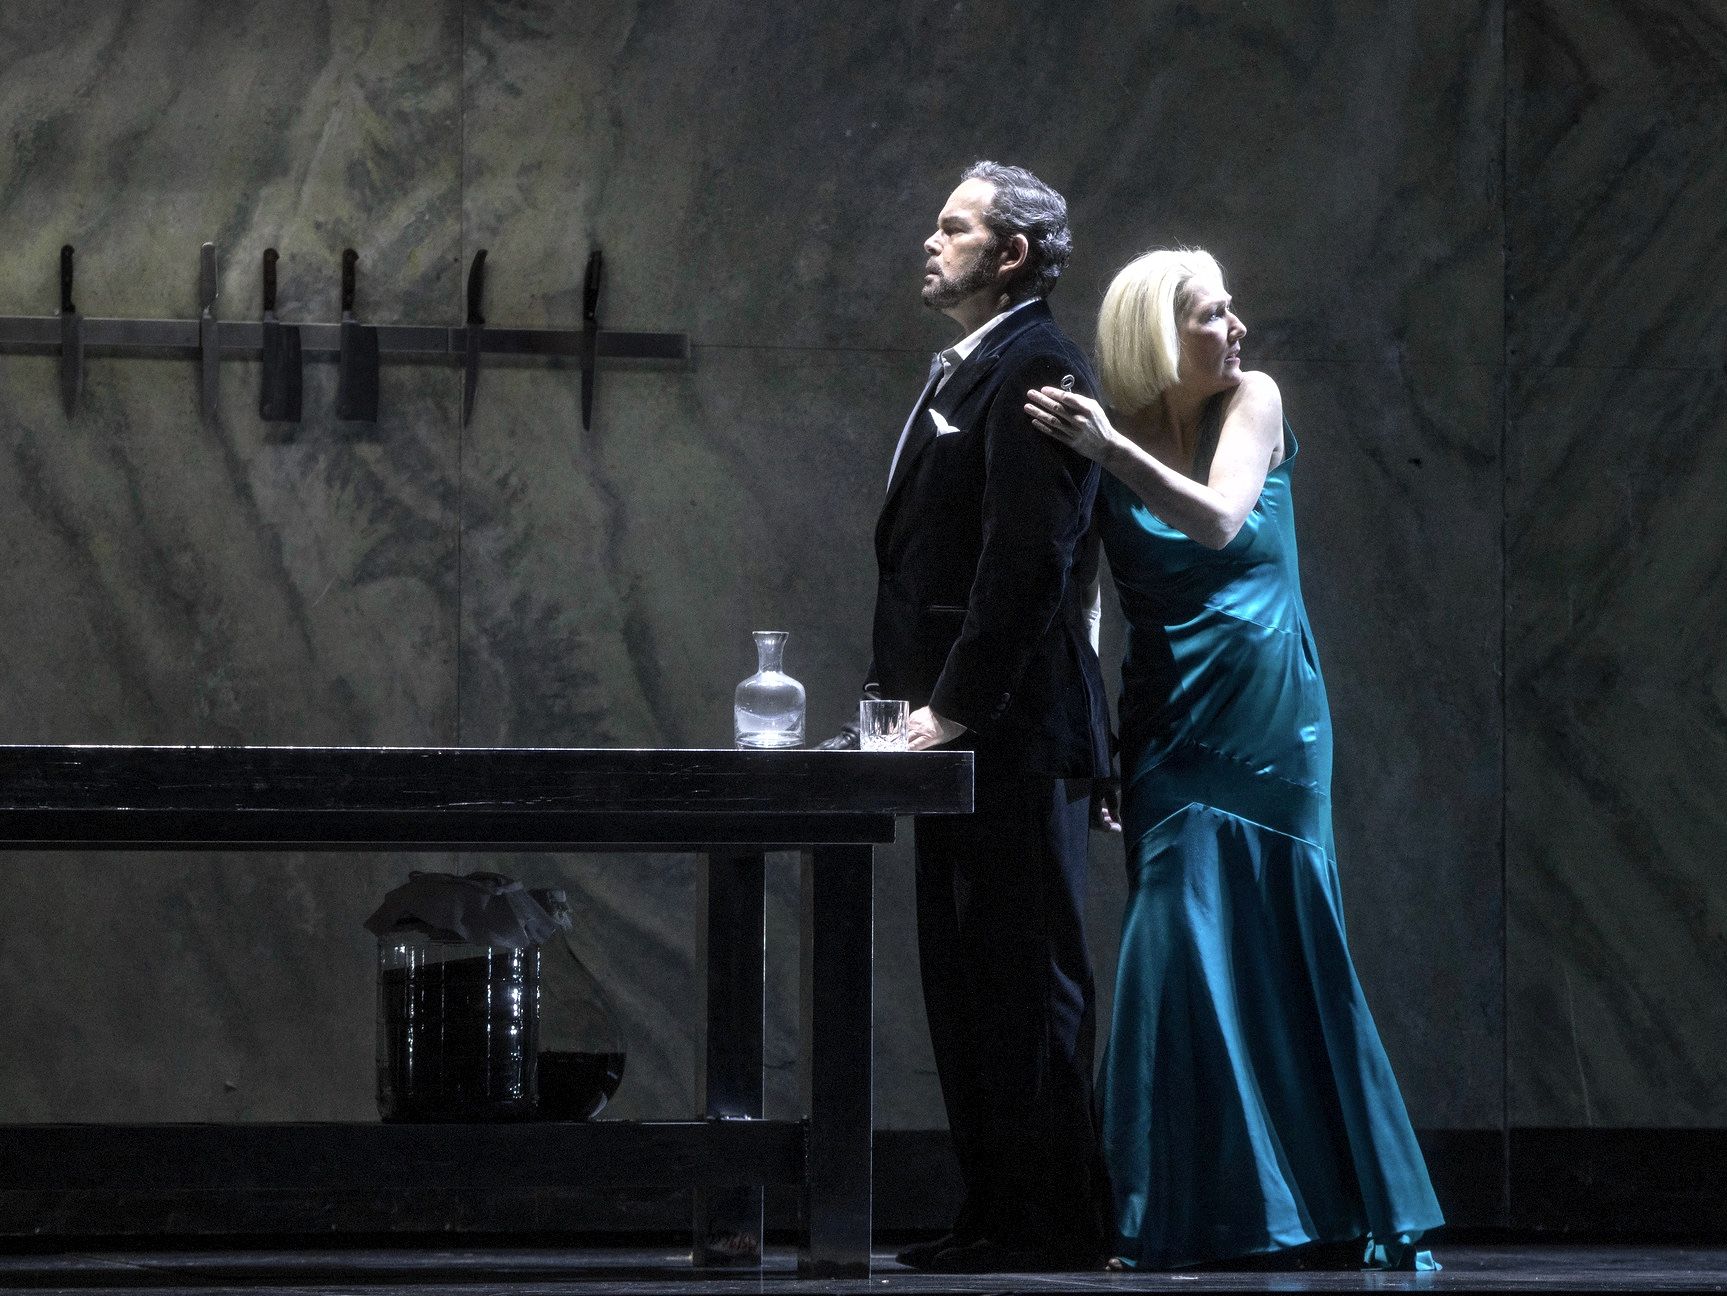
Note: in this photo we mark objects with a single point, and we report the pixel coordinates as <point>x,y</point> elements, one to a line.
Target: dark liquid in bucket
<point>577,1086</point>
<point>460,1039</point>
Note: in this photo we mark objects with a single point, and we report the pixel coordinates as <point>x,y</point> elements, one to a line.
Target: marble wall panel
<point>1401,569</point>
<point>172,580</point>
<point>1617,142</point>
<point>773,186</point>
<point>612,577</point>
<point>1342,161</point>
<point>1617,718</point>
<point>1617,147</point>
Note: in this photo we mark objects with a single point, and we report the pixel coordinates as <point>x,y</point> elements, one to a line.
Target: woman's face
<point>1211,336</point>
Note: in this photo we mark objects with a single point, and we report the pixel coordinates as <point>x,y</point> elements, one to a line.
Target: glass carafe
<point>581,1049</point>
<point>768,708</point>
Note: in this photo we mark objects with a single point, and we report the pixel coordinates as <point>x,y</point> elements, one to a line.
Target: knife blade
<point>71,339</point>
<point>590,333</point>
<point>279,401</point>
<point>476,326</point>
<point>209,335</point>
<point>357,369</point>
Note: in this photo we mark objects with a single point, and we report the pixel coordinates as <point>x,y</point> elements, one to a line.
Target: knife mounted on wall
<point>71,339</point>
<point>357,366</point>
<point>590,334</point>
<point>279,401</point>
<point>476,327</point>
<point>209,336</point>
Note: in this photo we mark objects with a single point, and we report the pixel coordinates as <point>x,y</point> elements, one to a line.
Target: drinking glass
<point>882,724</point>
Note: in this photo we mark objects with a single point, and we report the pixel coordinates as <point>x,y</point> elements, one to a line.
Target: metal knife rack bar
<point>244,340</point>
<point>211,339</point>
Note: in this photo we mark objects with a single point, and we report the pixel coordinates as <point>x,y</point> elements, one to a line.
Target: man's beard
<point>976,277</point>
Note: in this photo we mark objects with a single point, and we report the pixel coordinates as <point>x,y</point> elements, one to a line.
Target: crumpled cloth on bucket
<point>486,909</point>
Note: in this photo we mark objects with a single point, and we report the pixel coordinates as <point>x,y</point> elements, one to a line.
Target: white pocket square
<point>942,426</point>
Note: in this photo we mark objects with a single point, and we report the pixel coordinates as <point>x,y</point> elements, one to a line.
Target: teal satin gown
<point>1246,1102</point>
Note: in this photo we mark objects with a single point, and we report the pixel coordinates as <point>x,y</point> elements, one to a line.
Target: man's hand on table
<point>927,729</point>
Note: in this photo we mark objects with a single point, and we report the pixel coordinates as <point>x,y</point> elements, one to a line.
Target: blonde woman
<point>1246,1103</point>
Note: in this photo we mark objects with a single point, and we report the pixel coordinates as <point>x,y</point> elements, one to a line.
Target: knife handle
<point>270,259</point>
<point>66,280</point>
<point>207,276</point>
<point>591,288</point>
<point>476,286</point>
<point>350,259</point>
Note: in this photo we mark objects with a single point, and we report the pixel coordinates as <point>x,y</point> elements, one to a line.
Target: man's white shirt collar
<point>955,355</point>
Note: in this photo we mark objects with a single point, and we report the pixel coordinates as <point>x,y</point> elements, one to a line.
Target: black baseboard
<point>1468,1171</point>
<point>1619,1182</point>
<point>1600,1183</point>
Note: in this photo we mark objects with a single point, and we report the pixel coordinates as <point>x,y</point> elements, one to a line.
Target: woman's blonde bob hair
<point>1139,324</point>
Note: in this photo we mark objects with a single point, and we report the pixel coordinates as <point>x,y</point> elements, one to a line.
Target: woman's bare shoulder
<point>1257,387</point>
<point>1256,403</point>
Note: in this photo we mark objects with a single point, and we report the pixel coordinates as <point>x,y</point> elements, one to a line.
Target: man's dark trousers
<point>1008,989</point>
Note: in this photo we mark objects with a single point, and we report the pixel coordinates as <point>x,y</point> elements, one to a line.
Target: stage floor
<point>462,1271</point>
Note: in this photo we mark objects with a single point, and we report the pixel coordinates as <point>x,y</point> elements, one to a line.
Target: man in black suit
<point>985,578</point>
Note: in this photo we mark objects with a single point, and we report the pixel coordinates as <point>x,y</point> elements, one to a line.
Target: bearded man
<point>985,579</point>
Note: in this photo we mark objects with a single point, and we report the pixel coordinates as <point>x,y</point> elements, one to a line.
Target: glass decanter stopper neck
<point>770,649</point>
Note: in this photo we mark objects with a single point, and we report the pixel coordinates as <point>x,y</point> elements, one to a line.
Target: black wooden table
<point>731,806</point>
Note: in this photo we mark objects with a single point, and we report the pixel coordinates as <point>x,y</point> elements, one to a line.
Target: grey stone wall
<point>1616,540</point>
<point>1475,243</point>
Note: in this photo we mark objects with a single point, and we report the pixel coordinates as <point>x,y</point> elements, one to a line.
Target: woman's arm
<point>1211,512</point>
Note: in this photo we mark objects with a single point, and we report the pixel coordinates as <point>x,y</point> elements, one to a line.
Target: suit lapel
<point>919,439</point>
<point>960,385</point>
<point>922,435</point>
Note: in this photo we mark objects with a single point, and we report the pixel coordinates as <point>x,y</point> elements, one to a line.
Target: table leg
<point>837,1040</point>
<point>732,934</point>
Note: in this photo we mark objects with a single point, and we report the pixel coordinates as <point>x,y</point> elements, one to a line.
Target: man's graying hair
<point>1023,204</point>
